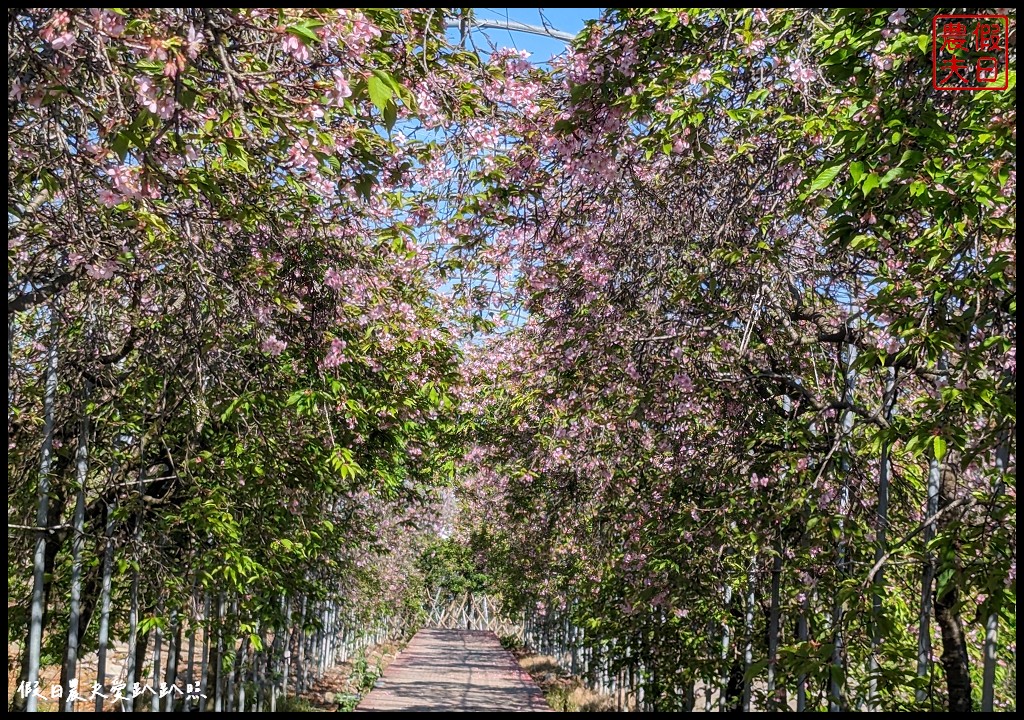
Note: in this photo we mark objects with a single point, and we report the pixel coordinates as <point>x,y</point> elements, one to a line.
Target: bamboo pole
<point>69,670</point>
<point>991,646</point>
<point>881,544</point>
<point>105,590</point>
<point>35,632</point>
<point>837,698</point>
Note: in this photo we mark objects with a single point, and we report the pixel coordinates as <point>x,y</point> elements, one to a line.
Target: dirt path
<point>454,670</point>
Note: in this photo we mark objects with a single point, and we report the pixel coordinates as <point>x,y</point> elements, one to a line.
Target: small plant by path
<point>563,691</point>
<point>342,687</point>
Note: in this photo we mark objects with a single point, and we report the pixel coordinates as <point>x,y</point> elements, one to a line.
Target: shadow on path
<point>458,671</point>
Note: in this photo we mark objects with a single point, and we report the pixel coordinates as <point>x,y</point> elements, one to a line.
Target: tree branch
<point>514,26</point>
<point>962,502</point>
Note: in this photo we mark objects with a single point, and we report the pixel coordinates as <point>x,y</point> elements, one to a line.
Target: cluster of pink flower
<point>273,346</point>
<point>128,185</point>
<point>58,33</point>
<point>148,95</point>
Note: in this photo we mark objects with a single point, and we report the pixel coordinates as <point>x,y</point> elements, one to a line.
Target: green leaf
<point>939,445</point>
<point>870,183</point>
<point>390,115</point>
<point>911,157</point>
<point>380,93</point>
<point>305,33</point>
<point>942,582</point>
<point>857,171</point>
<point>754,669</point>
<point>826,177</point>
<point>893,174</point>
<point>120,146</point>
<point>231,408</point>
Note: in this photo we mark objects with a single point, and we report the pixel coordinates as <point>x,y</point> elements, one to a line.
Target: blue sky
<point>565,19</point>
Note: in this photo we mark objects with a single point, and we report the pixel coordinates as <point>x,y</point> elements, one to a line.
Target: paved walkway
<point>454,671</point>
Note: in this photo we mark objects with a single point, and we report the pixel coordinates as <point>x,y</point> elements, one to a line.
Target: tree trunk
<point>70,667</point>
<point>190,659</point>
<point>954,658</point>
<point>924,637</point>
<point>288,633</point>
<point>204,656</point>
<point>173,656</point>
<point>773,628</point>
<point>217,662</point>
<point>748,648</point>
<point>733,692</point>
<point>988,675</point>
<point>837,695</point>
<point>802,635</point>
<point>300,664</point>
<point>53,547</point>
<point>105,589</point>
<point>881,544</point>
<point>136,655</point>
<point>142,645</point>
<point>132,672</point>
<point>158,637</point>
<point>726,673</point>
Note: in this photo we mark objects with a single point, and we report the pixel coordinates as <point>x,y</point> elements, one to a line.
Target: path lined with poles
<point>454,670</point>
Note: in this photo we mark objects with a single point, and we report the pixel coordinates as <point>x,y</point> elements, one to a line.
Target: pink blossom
<point>108,23</point>
<point>335,355</point>
<point>273,346</point>
<point>165,107</point>
<point>879,60</point>
<point>146,94</point>
<point>101,271</point>
<point>701,76</point>
<point>300,156</point>
<point>899,17</point>
<point>295,47</point>
<point>125,179</point>
<point>65,39</point>
<point>193,42</point>
<point>755,47</point>
<point>341,90</point>
<point>109,197</point>
<point>683,382</point>
<point>429,110</point>
<point>333,279</point>
<point>362,34</point>
<point>800,73</point>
